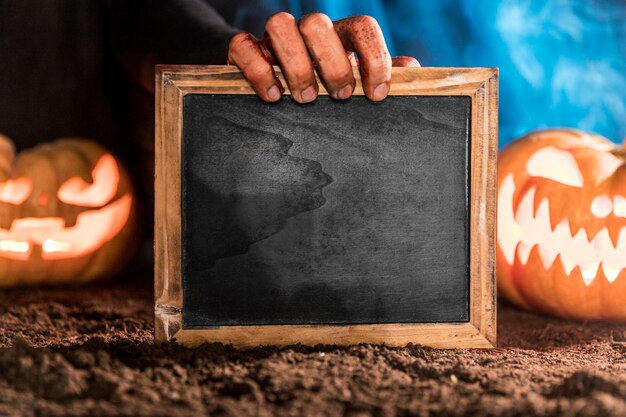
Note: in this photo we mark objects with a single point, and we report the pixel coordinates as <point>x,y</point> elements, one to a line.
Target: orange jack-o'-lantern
<point>562,224</point>
<point>66,213</point>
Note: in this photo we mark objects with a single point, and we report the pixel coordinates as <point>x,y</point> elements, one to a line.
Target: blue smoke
<point>562,62</point>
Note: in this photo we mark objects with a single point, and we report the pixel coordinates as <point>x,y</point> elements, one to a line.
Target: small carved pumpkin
<point>66,213</point>
<point>562,225</point>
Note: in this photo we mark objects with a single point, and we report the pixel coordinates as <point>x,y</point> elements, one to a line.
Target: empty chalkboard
<point>350,216</point>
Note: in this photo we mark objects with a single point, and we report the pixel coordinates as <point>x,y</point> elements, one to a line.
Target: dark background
<point>332,212</point>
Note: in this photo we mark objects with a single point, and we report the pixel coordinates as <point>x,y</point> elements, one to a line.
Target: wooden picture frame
<point>480,84</point>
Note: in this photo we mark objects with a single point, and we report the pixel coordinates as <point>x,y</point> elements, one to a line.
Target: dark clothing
<point>86,68</point>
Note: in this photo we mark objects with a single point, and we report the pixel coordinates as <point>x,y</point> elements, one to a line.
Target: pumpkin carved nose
<point>43,199</point>
<point>602,206</point>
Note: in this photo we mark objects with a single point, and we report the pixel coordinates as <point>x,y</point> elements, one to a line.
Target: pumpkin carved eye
<point>619,206</point>
<point>556,165</point>
<point>16,190</point>
<point>78,192</point>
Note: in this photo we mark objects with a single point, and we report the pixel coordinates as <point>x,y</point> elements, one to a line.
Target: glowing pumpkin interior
<point>92,229</point>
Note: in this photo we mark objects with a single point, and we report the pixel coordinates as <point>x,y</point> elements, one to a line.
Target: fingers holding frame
<point>363,35</point>
<point>331,46</point>
<point>282,37</point>
<point>247,53</point>
<point>328,53</point>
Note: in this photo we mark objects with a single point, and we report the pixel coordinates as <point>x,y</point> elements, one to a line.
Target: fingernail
<point>345,92</point>
<point>380,92</point>
<point>273,93</point>
<point>309,94</point>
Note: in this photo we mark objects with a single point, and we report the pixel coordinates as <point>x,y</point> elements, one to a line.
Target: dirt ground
<point>90,352</point>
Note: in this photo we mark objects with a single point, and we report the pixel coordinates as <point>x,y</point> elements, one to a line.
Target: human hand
<point>316,42</point>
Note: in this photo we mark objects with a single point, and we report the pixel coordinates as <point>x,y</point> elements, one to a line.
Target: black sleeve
<point>144,33</point>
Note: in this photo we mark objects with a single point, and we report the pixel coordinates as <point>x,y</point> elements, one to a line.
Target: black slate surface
<point>331,212</point>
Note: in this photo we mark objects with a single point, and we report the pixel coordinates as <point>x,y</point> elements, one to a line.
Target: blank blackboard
<point>331,222</point>
<point>336,212</point>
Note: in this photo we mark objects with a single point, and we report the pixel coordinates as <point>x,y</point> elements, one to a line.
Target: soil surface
<point>90,352</point>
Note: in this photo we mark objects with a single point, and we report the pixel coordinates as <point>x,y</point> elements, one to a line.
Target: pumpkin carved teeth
<point>610,273</point>
<point>520,231</point>
<point>92,229</point>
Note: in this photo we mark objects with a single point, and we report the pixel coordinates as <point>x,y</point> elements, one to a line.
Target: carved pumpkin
<point>66,213</point>
<point>562,225</point>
